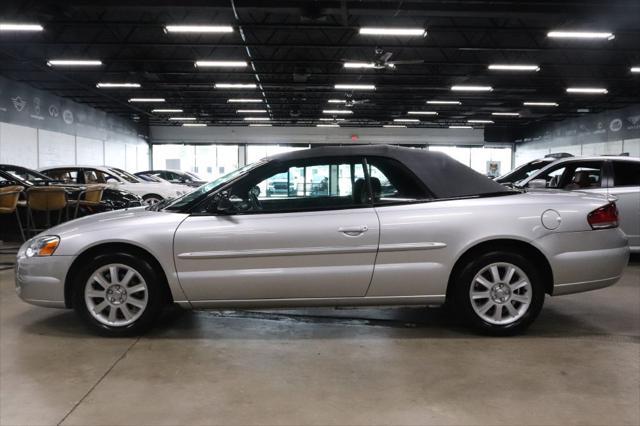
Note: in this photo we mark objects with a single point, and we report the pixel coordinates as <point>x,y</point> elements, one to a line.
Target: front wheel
<point>499,293</point>
<point>118,295</point>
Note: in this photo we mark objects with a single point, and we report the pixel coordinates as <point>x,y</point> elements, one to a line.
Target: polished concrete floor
<point>578,364</point>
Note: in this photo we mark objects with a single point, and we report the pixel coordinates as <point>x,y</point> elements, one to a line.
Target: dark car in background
<point>176,176</point>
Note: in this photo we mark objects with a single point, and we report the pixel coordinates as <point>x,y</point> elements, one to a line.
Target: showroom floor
<point>579,364</point>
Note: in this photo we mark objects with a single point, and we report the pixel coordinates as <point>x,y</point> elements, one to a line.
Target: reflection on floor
<point>578,364</point>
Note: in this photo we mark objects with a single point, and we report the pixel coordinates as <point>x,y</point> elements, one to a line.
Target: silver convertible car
<point>368,225</point>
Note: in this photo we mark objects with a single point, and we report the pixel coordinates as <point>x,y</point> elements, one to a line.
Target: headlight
<point>42,246</point>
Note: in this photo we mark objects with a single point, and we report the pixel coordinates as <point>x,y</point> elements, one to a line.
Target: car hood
<point>134,225</point>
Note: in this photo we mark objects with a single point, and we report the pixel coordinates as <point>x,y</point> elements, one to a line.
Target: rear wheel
<point>499,293</point>
<point>118,295</point>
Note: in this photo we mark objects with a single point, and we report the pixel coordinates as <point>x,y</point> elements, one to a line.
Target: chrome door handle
<point>353,230</point>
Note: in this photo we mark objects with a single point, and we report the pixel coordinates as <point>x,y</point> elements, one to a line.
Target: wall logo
<point>635,122</point>
<point>53,111</point>
<point>36,106</point>
<point>67,116</point>
<point>615,125</point>
<point>19,103</point>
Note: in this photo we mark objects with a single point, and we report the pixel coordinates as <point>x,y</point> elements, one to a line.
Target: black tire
<point>464,279</point>
<point>156,299</point>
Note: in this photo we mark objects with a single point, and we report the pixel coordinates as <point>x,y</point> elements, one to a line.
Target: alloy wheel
<point>116,295</point>
<point>501,293</point>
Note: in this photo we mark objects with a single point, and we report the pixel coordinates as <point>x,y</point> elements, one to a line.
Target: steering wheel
<point>253,198</point>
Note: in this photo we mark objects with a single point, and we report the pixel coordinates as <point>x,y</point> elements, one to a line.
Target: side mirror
<point>537,184</point>
<point>225,206</point>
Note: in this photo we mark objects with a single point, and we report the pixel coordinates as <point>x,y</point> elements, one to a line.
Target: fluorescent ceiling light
<point>244,101</point>
<point>337,101</point>
<point>393,31</point>
<point>331,119</point>
<point>359,65</point>
<point>257,119</point>
<point>436,102</point>
<point>194,125</point>
<point>251,111</point>
<point>406,120</point>
<point>480,121</point>
<point>235,86</point>
<point>166,110</point>
<point>146,100</point>
<point>635,69</point>
<point>541,104</point>
<point>182,118</point>
<point>355,87</point>
<point>460,127</point>
<point>198,29</point>
<point>337,111</point>
<point>499,67</point>
<point>327,125</point>
<point>422,113</point>
<point>73,63</point>
<point>117,85</point>
<point>20,27</point>
<point>471,88</point>
<point>588,90</point>
<point>221,64</point>
<point>506,114</point>
<point>394,126</point>
<point>259,125</point>
<point>581,35</point>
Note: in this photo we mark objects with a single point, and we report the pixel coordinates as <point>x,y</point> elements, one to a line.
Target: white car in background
<point>617,177</point>
<point>151,192</point>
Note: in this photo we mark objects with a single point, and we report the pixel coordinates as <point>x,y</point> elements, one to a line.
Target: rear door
<point>625,186</point>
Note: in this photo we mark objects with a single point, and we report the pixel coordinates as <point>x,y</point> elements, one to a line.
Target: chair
<point>45,199</point>
<point>9,203</point>
<point>90,197</point>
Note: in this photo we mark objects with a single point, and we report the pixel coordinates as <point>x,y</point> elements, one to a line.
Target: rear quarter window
<point>626,173</point>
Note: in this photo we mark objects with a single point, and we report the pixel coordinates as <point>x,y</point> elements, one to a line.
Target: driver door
<point>310,233</point>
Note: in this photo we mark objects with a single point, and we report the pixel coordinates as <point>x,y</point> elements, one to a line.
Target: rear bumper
<point>588,260</point>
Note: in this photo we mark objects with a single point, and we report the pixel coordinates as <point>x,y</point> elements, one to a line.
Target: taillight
<point>604,217</point>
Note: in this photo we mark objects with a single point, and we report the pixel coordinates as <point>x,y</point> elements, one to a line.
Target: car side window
<point>311,185</point>
<point>584,176</point>
<point>392,183</point>
<point>64,175</point>
<point>626,173</point>
<point>574,176</point>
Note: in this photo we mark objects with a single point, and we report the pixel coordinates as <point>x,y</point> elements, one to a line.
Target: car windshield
<point>26,175</point>
<point>523,171</point>
<point>193,176</point>
<point>187,199</point>
<point>148,177</point>
<point>125,175</point>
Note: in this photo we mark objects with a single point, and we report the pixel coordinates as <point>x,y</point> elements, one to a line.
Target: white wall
<point>34,148</point>
<point>531,150</point>
<point>18,145</point>
<point>315,135</point>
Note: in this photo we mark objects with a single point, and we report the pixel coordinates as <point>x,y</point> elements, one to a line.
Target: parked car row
<point>151,192</point>
<point>120,189</point>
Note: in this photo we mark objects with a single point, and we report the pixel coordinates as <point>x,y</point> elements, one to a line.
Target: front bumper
<point>40,280</point>
<point>583,261</point>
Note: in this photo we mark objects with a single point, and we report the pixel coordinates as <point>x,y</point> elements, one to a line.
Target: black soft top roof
<point>444,176</point>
